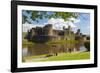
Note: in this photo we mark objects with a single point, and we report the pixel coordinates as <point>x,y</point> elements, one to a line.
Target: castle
<point>47,33</point>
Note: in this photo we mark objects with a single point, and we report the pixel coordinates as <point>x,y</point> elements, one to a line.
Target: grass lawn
<point>60,57</point>
<point>62,42</point>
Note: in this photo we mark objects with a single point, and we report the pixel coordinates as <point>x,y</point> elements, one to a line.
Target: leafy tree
<point>39,15</point>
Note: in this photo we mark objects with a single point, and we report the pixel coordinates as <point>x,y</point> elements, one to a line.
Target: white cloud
<point>27,26</point>
<point>69,23</point>
<point>74,20</point>
<point>60,23</point>
<point>57,23</point>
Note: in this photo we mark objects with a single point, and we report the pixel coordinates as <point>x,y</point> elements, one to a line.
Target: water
<point>53,49</point>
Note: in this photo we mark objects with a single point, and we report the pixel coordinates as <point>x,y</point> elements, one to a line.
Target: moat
<point>53,50</point>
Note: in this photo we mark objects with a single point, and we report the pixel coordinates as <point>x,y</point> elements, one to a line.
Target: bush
<point>87,45</point>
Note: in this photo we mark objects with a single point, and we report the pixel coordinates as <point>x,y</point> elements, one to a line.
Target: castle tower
<point>69,28</point>
<point>33,31</point>
<point>78,32</point>
<point>64,28</point>
<point>48,30</point>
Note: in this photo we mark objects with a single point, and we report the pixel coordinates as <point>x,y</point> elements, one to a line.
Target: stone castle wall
<point>48,33</point>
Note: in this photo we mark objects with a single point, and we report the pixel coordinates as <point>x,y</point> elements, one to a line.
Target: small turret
<point>78,32</point>
<point>69,28</point>
<point>64,28</point>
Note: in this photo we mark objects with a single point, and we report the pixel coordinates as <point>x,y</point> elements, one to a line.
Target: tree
<point>39,15</point>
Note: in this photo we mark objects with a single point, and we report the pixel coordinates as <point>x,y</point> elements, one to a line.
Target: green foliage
<point>25,42</point>
<point>63,42</point>
<point>87,45</point>
<point>35,15</point>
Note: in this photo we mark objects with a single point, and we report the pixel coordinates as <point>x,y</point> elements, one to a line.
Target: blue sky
<point>82,22</point>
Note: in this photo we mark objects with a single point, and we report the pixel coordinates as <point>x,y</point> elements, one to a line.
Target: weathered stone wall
<point>48,30</point>
<point>48,33</point>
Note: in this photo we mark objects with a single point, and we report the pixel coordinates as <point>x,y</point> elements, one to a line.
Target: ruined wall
<point>48,33</point>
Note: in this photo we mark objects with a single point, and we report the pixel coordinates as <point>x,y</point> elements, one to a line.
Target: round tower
<point>48,29</point>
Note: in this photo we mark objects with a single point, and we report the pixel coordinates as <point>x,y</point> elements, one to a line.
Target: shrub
<point>87,45</point>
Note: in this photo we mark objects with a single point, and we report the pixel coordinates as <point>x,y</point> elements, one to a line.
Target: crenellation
<point>48,33</point>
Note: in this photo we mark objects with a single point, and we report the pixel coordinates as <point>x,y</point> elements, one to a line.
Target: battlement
<point>48,33</point>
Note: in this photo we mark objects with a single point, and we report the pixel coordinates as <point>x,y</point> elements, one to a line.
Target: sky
<point>82,22</point>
